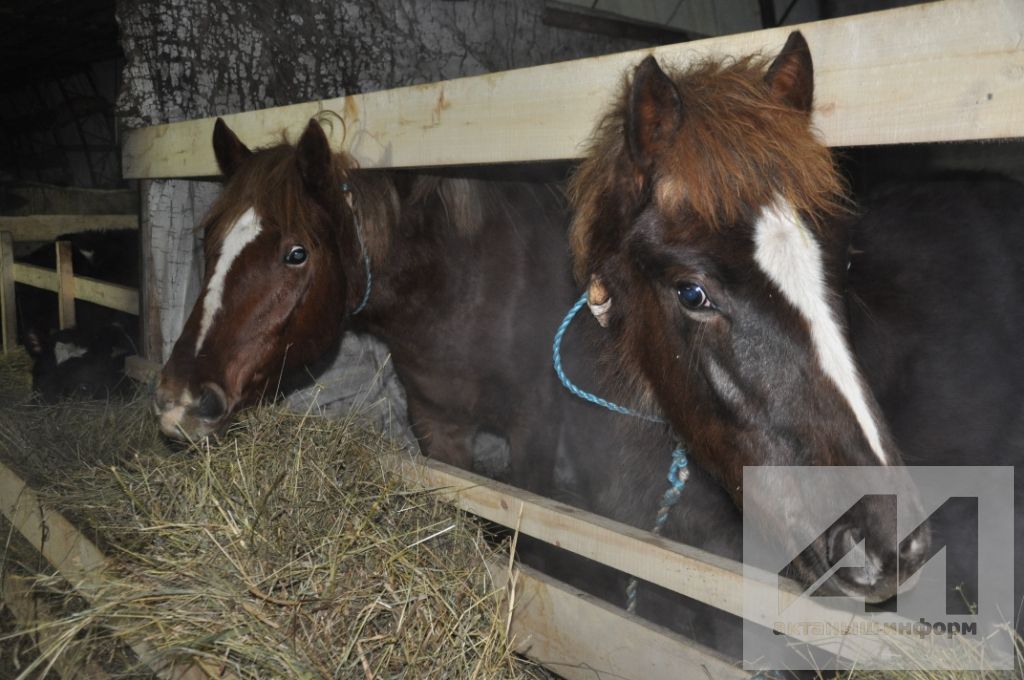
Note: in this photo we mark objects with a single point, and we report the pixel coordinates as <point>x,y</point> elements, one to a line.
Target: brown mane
<point>271,183</point>
<point>736,150</point>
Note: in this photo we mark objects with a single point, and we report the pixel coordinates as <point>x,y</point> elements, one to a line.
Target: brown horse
<point>450,277</point>
<point>469,281</point>
<point>710,222</point>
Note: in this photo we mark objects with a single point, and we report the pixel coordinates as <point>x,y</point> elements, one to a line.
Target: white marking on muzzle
<point>62,351</point>
<point>791,257</point>
<point>171,419</point>
<point>241,234</point>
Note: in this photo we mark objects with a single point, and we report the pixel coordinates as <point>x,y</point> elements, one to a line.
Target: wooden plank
<point>35,616</point>
<point>49,227</point>
<point>956,72</point>
<point>582,638</point>
<point>111,295</point>
<point>683,569</point>
<point>142,370</point>
<point>151,335</point>
<point>35,276</point>
<point>102,293</point>
<point>77,559</point>
<point>65,285</point>
<point>8,311</point>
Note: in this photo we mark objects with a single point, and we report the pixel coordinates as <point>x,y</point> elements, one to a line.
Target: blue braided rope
<point>677,476</point>
<point>347,188</point>
<point>556,358</point>
<point>678,472</point>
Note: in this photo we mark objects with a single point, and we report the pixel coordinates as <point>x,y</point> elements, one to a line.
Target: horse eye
<point>692,295</point>
<point>296,256</point>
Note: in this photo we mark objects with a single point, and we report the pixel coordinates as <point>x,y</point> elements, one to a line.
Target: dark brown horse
<point>713,219</point>
<point>469,281</point>
<point>764,317</point>
<point>459,276</point>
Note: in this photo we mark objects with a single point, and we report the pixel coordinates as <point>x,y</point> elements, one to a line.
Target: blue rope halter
<point>678,472</point>
<point>347,188</point>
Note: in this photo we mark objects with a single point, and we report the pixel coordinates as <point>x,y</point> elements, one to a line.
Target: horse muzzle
<point>185,416</point>
<point>870,571</point>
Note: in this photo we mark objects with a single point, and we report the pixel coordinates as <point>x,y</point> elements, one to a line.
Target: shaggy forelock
<point>737,150</point>
<point>271,183</point>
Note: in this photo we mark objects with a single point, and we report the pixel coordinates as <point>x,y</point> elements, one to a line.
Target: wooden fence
<point>951,70</point>
<point>61,280</point>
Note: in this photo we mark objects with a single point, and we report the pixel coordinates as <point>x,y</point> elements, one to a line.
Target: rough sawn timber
<point>49,227</point>
<point>940,71</point>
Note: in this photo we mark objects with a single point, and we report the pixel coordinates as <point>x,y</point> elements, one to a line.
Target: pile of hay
<point>283,551</point>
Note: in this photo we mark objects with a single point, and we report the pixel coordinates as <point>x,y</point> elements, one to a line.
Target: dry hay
<point>284,551</point>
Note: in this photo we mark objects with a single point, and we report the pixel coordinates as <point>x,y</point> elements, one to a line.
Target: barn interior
<point>284,549</point>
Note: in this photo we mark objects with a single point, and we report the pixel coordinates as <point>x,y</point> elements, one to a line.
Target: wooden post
<point>8,313</point>
<point>151,336</point>
<point>65,285</point>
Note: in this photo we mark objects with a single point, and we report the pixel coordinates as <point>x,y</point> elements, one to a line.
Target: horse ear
<point>791,75</point>
<point>314,156</point>
<point>228,148</point>
<point>35,344</point>
<point>654,114</point>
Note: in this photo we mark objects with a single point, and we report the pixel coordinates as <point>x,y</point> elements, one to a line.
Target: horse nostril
<point>212,403</point>
<point>914,549</point>
<point>862,567</point>
<point>842,540</point>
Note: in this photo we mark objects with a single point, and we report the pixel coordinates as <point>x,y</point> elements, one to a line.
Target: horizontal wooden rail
<point>941,71</point>
<point>49,227</point>
<point>112,295</point>
<point>686,570</point>
<point>581,637</point>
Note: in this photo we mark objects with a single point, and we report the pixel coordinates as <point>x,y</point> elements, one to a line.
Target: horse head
<point>710,222</point>
<point>284,269</point>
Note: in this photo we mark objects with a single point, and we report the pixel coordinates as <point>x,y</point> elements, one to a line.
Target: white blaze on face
<point>791,257</point>
<point>62,351</point>
<point>241,234</point>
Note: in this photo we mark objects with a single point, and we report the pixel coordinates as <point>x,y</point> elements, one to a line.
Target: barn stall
<point>956,81</point>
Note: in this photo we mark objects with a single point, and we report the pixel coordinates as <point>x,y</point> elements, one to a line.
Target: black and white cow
<point>81,363</point>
